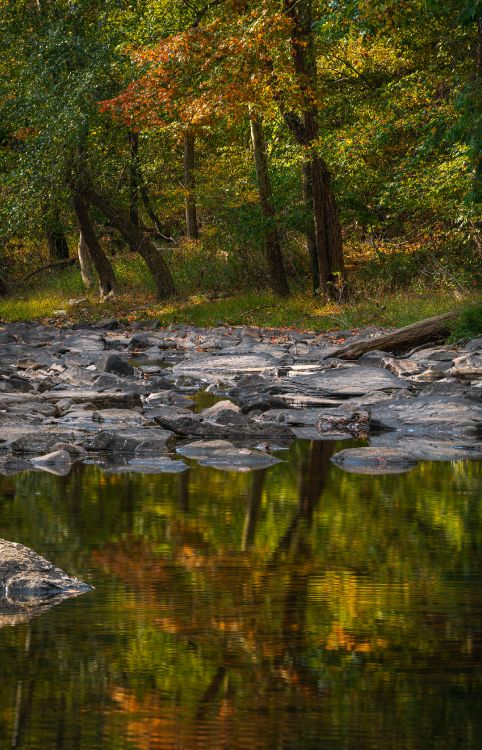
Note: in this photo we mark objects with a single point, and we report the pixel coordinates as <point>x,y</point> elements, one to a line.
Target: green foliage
<point>399,126</point>
<point>468,325</point>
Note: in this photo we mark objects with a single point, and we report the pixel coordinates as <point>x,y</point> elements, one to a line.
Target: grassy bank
<point>136,301</point>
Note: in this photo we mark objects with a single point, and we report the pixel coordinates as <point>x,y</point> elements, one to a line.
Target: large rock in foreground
<point>29,583</point>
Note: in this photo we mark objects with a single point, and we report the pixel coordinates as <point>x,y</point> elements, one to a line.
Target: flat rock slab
<point>29,582</point>
<point>154,465</point>
<point>346,420</point>
<point>34,440</point>
<point>373,461</point>
<point>422,448</point>
<point>100,399</point>
<point>348,382</point>
<point>151,440</point>
<point>221,454</point>
<point>235,364</point>
<point>429,415</point>
<point>184,423</point>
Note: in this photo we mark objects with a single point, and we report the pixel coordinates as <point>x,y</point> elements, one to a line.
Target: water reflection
<point>293,608</point>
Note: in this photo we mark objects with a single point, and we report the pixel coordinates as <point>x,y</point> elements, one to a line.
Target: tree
<point>65,60</point>
<point>102,264</point>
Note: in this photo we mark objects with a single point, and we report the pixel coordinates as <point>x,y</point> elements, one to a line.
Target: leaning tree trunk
<point>100,260</point>
<point>56,241</point>
<point>138,237</point>
<point>134,181</point>
<point>85,262</point>
<point>271,237</point>
<point>192,230</point>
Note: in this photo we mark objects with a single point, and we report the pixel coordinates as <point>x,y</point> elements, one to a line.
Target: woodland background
<point>204,149</point>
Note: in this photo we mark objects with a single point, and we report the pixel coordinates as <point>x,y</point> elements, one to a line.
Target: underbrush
<point>389,286</point>
<point>468,325</point>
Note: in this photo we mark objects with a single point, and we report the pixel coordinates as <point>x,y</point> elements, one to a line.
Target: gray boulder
<point>348,381</point>
<point>150,440</point>
<point>373,460</point>
<point>429,415</point>
<point>29,582</point>
<point>57,462</point>
<point>221,454</point>
<point>116,365</point>
<point>422,448</point>
<point>143,465</point>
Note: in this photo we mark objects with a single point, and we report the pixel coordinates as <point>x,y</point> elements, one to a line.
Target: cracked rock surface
<point>136,399</point>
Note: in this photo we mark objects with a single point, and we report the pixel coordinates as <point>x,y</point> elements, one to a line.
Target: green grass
<point>136,301</point>
<point>468,325</point>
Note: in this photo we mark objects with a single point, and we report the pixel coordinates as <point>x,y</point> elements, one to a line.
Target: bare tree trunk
<point>192,230</point>
<point>139,238</point>
<point>100,260</point>
<point>271,237</point>
<point>310,224</point>
<point>134,182</point>
<point>85,262</point>
<point>57,243</point>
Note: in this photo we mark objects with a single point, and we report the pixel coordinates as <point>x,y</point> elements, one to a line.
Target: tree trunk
<point>100,260</point>
<point>3,287</point>
<point>305,130</point>
<point>134,182</point>
<point>423,332</point>
<point>271,237</point>
<point>57,243</point>
<point>310,224</point>
<point>192,230</point>
<point>138,237</point>
<point>85,262</point>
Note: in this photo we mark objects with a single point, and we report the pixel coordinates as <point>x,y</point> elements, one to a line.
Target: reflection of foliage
<point>232,608</point>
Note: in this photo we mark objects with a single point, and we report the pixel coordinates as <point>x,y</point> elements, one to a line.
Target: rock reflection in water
<point>297,607</point>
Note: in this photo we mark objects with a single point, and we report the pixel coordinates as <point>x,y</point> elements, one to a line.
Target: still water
<point>297,608</point>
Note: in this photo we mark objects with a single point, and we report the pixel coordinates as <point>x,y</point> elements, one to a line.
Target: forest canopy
<point>290,144</point>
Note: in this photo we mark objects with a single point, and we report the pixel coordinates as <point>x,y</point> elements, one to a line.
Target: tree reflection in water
<point>291,608</point>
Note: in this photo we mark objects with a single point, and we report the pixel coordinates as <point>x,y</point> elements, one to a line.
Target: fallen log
<point>57,264</point>
<point>423,332</point>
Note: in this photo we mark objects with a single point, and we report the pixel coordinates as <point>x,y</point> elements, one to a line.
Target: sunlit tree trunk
<point>101,262</point>
<point>192,230</point>
<point>137,236</point>
<point>271,236</point>
<point>85,262</point>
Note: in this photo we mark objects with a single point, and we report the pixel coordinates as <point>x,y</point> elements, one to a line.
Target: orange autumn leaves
<point>212,73</point>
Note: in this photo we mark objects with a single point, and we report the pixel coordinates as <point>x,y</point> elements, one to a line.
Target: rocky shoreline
<point>124,398</point>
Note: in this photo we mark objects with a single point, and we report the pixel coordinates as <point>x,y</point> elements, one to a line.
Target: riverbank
<point>61,305</point>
